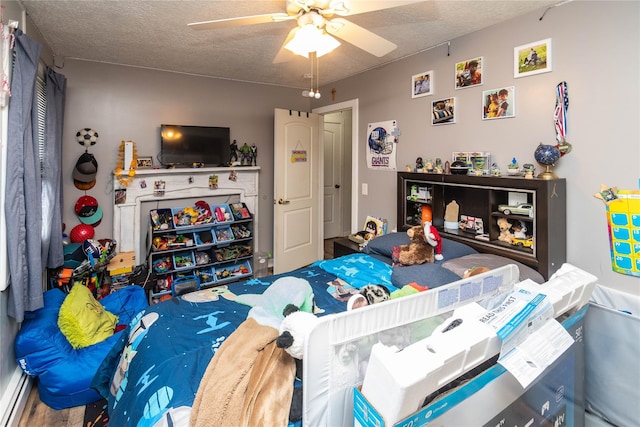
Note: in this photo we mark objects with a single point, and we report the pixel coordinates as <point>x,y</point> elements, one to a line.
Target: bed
<point>152,374</point>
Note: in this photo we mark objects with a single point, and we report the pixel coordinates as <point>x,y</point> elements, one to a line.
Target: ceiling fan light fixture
<point>310,38</point>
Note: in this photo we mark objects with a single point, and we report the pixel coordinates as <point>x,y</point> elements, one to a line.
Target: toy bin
<point>184,217</point>
<point>241,269</point>
<point>232,252</point>
<point>222,213</point>
<point>203,257</point>
<point>240,231</point>
<point>183,259</point>
<point>206,276</point>
<point>223,234</point>
<point>205,237</point>
<point>163,264</point>
<point>163,284</point>
<point>172,241</point>
<point>161,219</point>
<point>240,211</point>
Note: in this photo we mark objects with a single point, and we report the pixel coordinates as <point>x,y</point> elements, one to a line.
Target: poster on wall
<point>623,218</point>
<point>381,145</point>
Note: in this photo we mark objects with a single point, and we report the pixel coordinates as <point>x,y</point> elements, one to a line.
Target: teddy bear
<point>418,251</point>
<point>505,230</point>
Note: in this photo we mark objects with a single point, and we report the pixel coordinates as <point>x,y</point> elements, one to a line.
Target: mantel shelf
<point>190,171</point>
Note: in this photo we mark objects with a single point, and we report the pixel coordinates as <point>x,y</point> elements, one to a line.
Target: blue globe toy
<point>547,155</point>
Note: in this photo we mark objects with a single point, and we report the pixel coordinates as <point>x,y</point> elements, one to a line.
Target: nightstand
<point>344,246</point>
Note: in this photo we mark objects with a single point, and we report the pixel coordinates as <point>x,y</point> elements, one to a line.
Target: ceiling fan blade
<point>283,54</point>
<point>359,37</point>
<point>355,7</point>
<point>240,21</point>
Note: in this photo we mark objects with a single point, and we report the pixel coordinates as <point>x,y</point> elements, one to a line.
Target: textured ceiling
<point>154,34</point>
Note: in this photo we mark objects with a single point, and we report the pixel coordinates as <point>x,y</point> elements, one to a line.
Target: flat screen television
<point>185,145</point>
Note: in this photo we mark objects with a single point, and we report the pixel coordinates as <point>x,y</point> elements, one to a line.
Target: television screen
<point>186,145</point>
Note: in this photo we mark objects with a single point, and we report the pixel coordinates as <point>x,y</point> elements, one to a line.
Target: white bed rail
<point>333,356</point>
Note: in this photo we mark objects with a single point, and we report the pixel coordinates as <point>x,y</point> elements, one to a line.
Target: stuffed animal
<point>294,330</point>
<point>520,230</point>
<point>419,250</point>
<point>505,230</point>
<point>473,271</point>
<point>434,239</point>
<point>369,294</point>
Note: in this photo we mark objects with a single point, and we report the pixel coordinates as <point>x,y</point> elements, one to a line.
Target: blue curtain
<point>24,207</point>
<point>52,246</point>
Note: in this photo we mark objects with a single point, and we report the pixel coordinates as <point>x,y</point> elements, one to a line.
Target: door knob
<point>337,185</point>
<point>283,202</point>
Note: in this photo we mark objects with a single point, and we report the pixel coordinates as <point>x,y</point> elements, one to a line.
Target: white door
<point>333,148</point>
<point>297,216</point>
<point>348,110</point>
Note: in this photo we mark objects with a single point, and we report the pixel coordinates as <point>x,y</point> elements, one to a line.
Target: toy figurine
<point>434,239</point>
<point>254,154</point>
<point>429,165</point>
<point>245,155</point>
<point>233,155</point>
<point>419,164</point>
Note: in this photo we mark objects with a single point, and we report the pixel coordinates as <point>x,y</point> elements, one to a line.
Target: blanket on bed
<point>248,383</point>
<point>157,365</point>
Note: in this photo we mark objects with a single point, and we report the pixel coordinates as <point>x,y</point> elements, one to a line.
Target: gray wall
<point>124,103</point>
<point>595,50</point>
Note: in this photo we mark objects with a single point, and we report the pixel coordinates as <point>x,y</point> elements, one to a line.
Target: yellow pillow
<point>83,320</point>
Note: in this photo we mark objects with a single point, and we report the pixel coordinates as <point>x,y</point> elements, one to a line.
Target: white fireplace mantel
<point>185,183</point>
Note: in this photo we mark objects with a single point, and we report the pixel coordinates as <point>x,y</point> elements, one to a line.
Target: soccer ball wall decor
<point>87,137</point>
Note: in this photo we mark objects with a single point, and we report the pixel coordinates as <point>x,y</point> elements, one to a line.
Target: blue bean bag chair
<point>63,373</point>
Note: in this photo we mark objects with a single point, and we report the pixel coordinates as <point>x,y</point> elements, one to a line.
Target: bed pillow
<point>383,245</point>
<point>428,274</point>
<point>491,261</point>
<point>83,320</point>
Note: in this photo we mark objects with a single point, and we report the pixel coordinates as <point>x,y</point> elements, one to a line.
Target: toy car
<point>523,243</point>
<point>520,209</point>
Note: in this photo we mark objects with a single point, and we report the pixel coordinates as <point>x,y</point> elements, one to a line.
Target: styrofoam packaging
<point>416,371</point>
<point>569,288</point>
<point>400,380</point>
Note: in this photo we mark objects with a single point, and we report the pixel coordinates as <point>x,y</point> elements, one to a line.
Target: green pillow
<point>83,320</point>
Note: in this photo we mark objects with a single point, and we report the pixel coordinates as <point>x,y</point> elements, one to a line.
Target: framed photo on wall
<point>532,58</point>
<point>443,111</point>
<point>422,84</point>
<point>499,103</point>
<point>469,73</point>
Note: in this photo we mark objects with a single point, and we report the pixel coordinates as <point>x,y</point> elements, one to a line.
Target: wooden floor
<point>38,414</point>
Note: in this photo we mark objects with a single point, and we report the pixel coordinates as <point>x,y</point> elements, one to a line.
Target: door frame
<point>355,195</point>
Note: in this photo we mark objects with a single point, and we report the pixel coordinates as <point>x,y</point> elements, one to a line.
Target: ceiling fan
<point>318,20</point>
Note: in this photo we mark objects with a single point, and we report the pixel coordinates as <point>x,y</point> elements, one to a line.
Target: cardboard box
<point>122,263</point>
<point>495,398</point>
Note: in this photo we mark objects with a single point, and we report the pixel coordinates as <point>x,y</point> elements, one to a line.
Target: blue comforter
<point>152,374</point>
